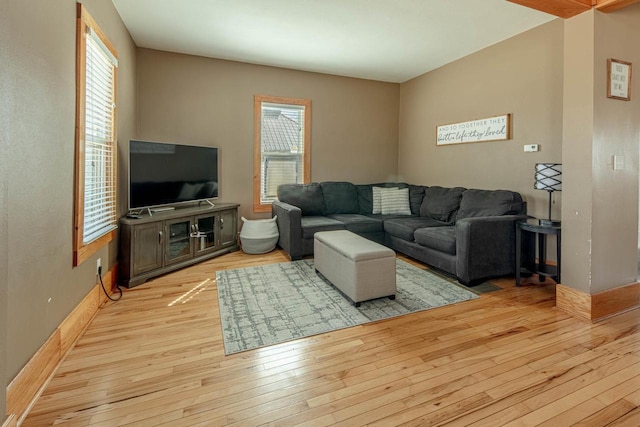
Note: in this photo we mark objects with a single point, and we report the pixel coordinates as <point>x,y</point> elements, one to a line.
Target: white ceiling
<point>387,40</point>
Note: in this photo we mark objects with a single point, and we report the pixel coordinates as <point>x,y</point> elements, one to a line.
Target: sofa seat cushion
<point>476,203</point>
<point>313,224</point>
<point>442,239</point>
<point>404,228</point>
<point>359,223</point>
<point>339,198</point>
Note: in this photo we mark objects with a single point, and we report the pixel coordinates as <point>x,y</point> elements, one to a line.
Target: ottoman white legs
<point>360,268</point>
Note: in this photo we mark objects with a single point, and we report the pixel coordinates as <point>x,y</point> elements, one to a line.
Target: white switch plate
<point>618,163</point>
<point>531,148</point>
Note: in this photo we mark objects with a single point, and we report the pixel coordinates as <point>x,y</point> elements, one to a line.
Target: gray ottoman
<point>360,268</point>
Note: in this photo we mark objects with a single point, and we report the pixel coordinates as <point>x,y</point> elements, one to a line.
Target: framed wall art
<point>618,79</point>
<point>490,129</point>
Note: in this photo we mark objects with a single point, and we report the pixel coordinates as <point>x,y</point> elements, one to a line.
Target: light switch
<point>618,163</point>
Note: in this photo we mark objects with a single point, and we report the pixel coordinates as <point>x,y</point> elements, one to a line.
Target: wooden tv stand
<point>166,241</point>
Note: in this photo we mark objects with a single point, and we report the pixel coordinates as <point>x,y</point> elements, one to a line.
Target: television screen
<point>166,174</point>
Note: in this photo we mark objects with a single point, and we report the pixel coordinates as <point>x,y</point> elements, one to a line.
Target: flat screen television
<point>165,174</point>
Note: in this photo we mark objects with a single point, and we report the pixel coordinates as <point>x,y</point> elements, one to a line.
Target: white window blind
<point>279,171</point>
<point>99,162</point>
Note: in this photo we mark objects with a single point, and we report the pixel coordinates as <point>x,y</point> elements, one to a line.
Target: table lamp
<point>549,177</point>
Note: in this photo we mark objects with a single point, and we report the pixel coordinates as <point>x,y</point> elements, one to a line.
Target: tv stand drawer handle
<point>160,237</point>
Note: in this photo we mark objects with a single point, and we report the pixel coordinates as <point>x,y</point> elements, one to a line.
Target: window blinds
<point>99,165</point>
<point>279,171</point>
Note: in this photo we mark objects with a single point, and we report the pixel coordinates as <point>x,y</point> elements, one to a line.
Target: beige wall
<point>196,100</point>
<point>4,153</point>
<point>521,76</point>
<point>577,153</point>
<point>602,216</point>
<point>616,132</point>
<point>39,88</point>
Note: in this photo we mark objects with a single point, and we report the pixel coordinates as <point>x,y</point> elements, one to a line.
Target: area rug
<point>266,305</point>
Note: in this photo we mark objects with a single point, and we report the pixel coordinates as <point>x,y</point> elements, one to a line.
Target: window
<point>95,218</point>
<point>282,146</point>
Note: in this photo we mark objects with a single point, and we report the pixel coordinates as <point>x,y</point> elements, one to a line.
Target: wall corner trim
<point>595,307</point>
<point>28,385</point>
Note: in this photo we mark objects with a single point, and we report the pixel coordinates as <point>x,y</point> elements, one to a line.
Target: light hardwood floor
<point>507,358</point>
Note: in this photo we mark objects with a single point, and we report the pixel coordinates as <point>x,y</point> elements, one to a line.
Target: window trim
<point>81,251</point>
<point>258,206</point>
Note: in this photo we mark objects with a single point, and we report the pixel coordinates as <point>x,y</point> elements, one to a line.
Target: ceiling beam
<point>611,5</point>
<point>562,8</point>
<point>568,8</point>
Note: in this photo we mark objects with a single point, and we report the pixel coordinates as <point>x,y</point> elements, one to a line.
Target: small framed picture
<point>618,79</point>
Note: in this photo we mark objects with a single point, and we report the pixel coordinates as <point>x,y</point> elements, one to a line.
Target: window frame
<point>82,251</point>
<point>258,205</point>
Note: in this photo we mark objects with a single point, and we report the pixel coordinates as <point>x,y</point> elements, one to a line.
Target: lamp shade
<point>548,176</point>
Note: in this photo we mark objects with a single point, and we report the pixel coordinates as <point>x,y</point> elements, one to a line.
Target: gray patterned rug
<point>261,306</point>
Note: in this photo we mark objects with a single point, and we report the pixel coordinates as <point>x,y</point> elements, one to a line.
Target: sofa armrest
<point>485,247</point>
<point>289,220</point>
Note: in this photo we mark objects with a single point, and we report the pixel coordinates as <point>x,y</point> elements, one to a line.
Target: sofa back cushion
<point>416,196</point>
<point>339,198</point>
<point>365,199</point>
<point>476,203</point>
<point>441,203</point>
<point>308,197</point>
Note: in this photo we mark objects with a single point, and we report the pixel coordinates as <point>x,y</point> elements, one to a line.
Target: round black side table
<point>525,260</point>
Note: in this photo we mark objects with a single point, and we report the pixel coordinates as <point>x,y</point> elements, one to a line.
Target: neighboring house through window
<point>95,218</point>
<point>282,146</point>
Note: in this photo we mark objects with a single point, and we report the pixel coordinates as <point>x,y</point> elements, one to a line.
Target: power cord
<point>105,291</point>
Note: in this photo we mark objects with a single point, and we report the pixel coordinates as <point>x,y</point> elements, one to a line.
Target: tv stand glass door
<point>204,233</point>
<point>178,243</point>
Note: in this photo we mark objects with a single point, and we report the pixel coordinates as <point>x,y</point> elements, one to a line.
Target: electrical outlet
<point>98,265</point>
<point>530,148</point>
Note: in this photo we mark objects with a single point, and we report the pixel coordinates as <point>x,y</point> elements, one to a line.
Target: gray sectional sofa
<point>469,233</point>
